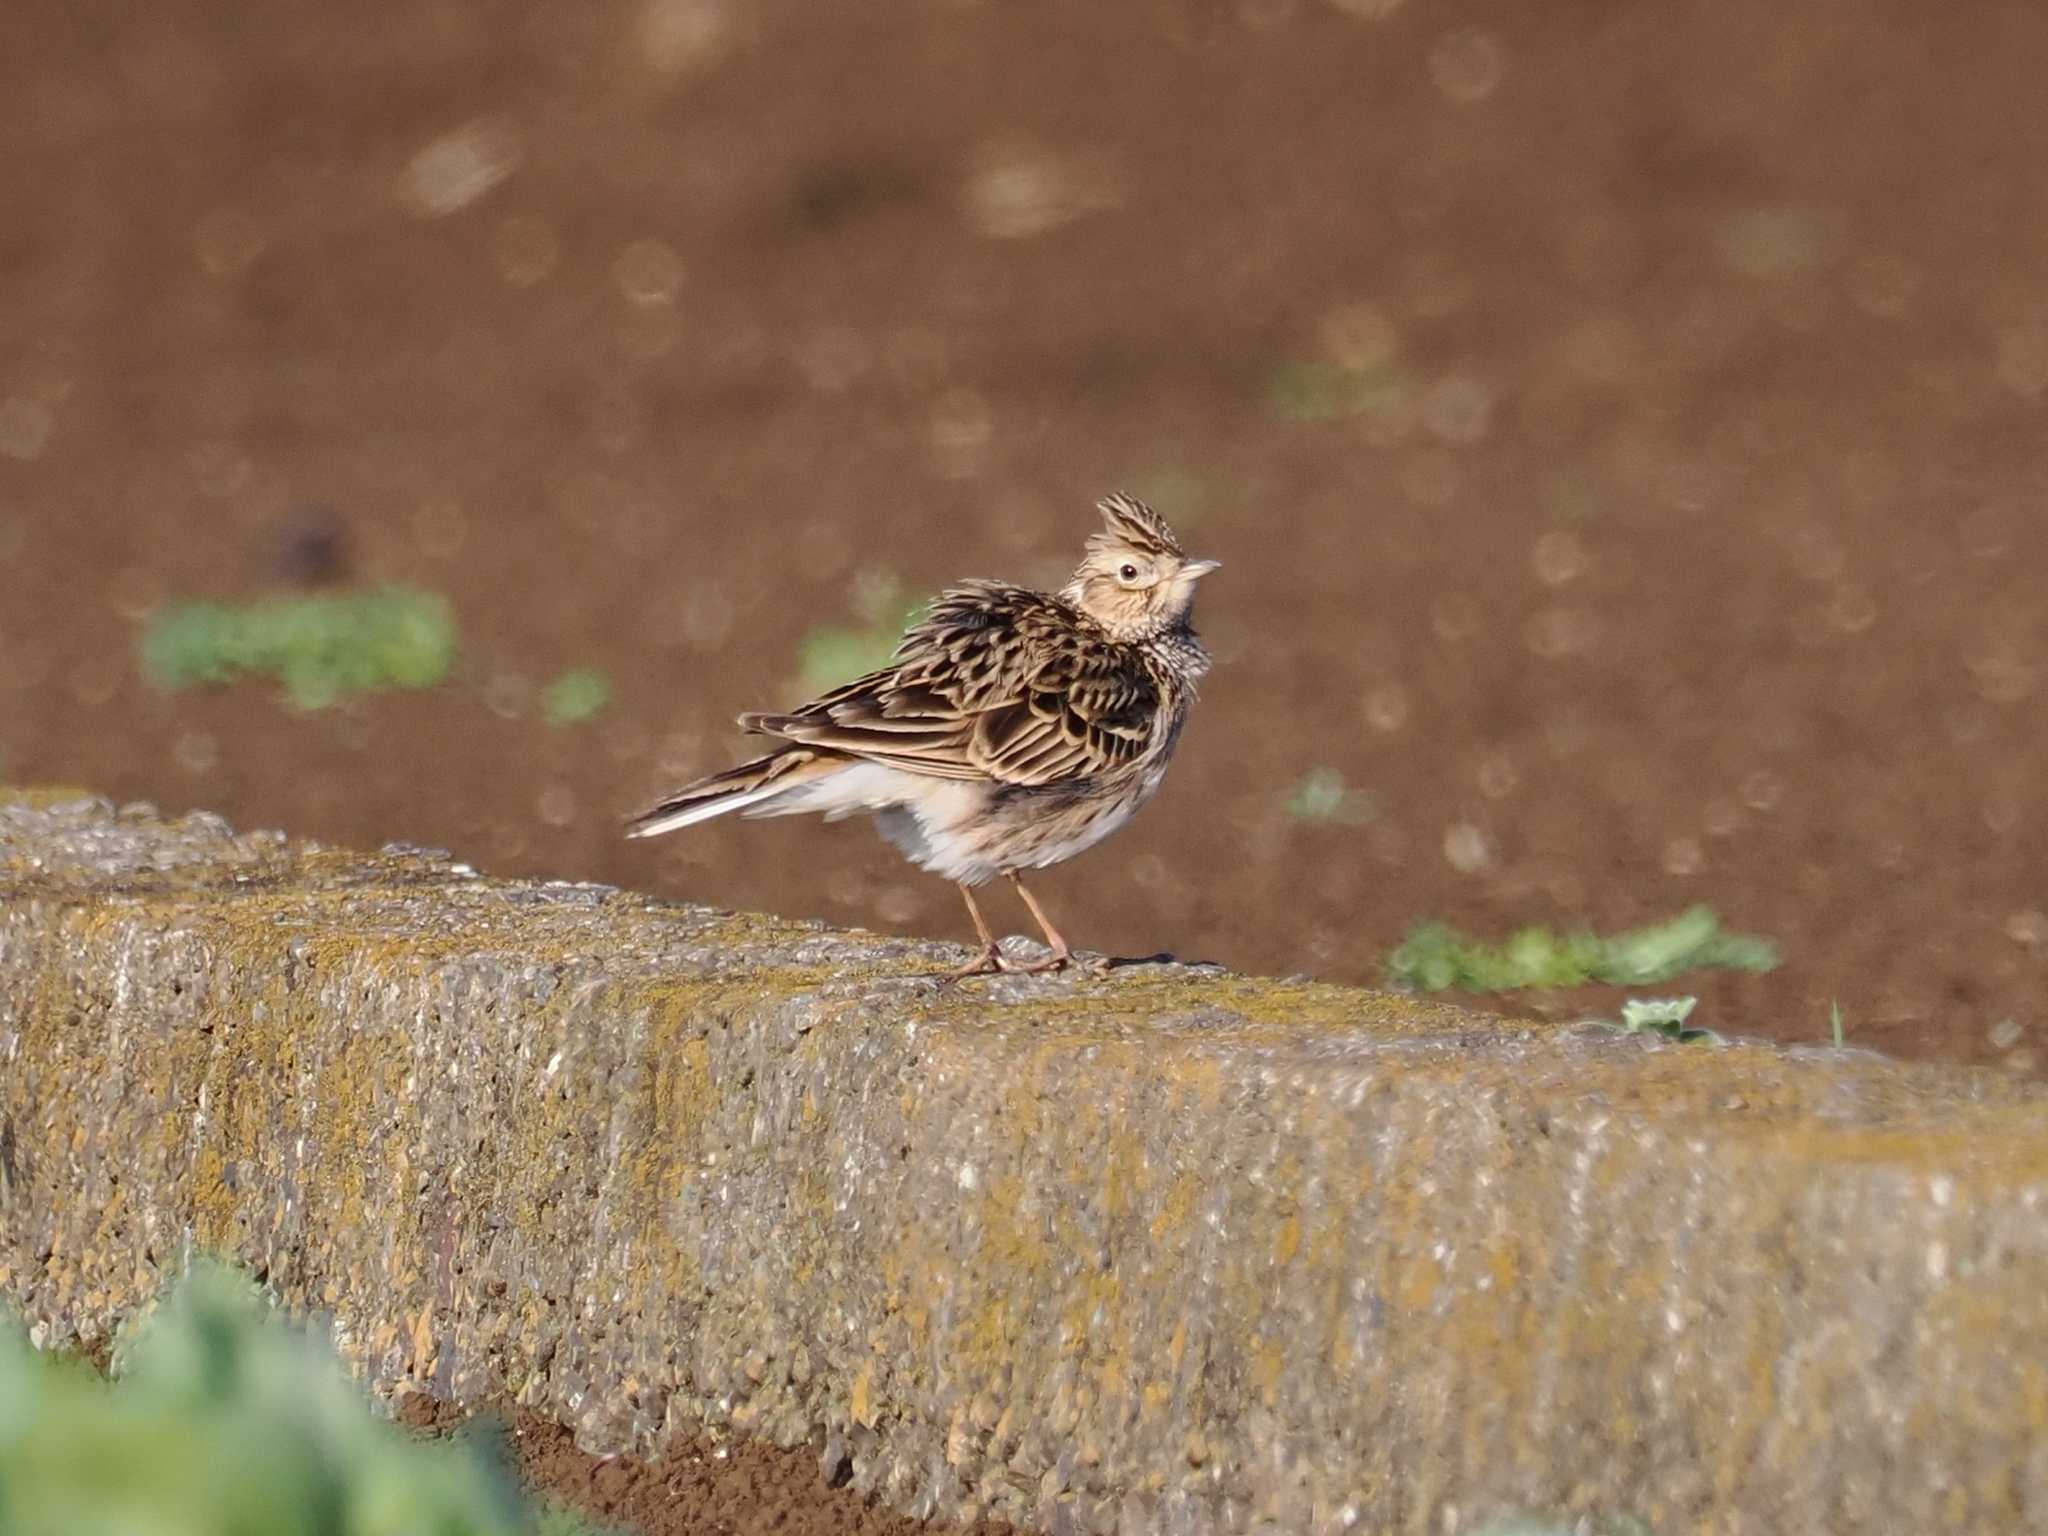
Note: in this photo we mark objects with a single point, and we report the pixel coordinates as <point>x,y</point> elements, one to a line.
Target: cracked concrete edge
<point>1171,1250</point>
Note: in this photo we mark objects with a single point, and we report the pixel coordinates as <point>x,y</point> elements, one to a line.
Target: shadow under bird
<point>1012,730</point>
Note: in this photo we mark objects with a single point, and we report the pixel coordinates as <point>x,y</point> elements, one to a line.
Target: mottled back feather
<point>996,682</point>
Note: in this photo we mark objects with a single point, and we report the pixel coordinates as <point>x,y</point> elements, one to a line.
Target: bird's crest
<point>1129,524</point>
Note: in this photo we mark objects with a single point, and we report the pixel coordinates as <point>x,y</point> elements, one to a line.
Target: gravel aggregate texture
<point>1167,1250</point>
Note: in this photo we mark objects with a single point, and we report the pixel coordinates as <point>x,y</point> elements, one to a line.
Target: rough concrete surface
<point>1168,1250</point>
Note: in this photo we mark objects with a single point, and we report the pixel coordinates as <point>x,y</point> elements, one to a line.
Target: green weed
<point>222,1420</point>
<point>1436,956</point>
<point>1664,1016</point>
<point>1835,1020</point>
<point>576,696</point>
<point>319,648</point>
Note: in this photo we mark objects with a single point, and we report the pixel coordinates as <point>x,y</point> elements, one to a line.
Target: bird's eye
<point>1127,572</point>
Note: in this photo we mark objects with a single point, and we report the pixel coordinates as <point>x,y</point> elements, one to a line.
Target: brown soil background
<point>1686,548</point>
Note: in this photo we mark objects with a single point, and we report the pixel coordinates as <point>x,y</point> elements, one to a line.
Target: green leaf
<point>203,1380</point>
<point>318,648</point>
<point>1664,1014</point>
<point>1435,956</point>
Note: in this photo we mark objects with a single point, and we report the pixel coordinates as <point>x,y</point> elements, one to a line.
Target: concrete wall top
<point>1168,1250</point>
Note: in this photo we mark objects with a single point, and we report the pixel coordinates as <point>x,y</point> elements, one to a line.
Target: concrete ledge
<point>1169,1251</point>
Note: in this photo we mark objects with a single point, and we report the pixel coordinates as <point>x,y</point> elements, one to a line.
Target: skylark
<point>1012,730</point>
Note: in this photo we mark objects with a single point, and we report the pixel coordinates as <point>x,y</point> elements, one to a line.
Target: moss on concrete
<point>1168,1249</point>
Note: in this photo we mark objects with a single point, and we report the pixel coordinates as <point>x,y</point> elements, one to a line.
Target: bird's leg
<point>991,956</point>
<point>1061,955</point>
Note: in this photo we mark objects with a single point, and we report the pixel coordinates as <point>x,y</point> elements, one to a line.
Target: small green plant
<point>1321,795</point>
<point>1664,1016</point>
<point>222,1420</point>
<point>1436,956</point>
<point>1327,391</point>
<point>319,648</point>
<point>1835,1020</point>
<point>576,696</point>
<point>835,654</point>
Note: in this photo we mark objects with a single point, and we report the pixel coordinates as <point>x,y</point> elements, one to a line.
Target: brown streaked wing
<point>996,682</point>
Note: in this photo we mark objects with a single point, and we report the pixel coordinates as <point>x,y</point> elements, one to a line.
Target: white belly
<point>963,829</point>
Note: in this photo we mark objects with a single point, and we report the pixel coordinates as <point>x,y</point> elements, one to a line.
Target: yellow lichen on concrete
<point>1168,1247</point>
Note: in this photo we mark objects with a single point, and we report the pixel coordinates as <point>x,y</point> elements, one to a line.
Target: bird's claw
<point>992,961</point>
<point>1060,960</point>
<point>989,962</point>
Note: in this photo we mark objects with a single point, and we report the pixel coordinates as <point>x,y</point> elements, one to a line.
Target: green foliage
<point>835,654</point>
<point>1435,956</point>
<point>1664,1016</point>
<point>225,1421</point>
<point>319,648</point>
<point>1320,795</point>
<point>576,696</point>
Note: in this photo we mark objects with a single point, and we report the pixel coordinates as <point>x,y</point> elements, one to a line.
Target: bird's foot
<point>991,961</point>
<point>1061,959</point>
<point>988,962</point>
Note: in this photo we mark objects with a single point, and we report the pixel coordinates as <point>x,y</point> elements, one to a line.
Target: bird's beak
<point>1196,568</point>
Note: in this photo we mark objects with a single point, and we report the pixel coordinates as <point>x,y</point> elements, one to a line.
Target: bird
<point>1011,730</point>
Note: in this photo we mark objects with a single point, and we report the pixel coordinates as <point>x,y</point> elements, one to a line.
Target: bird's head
<point>1135,580</point>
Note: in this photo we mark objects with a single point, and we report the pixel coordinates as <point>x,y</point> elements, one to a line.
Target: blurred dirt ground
<point>1622,426</point>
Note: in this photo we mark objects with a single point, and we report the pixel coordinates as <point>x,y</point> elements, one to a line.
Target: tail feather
<point>735,789</point>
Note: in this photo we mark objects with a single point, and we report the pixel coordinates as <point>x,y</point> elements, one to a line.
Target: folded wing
<point>997,682</point>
